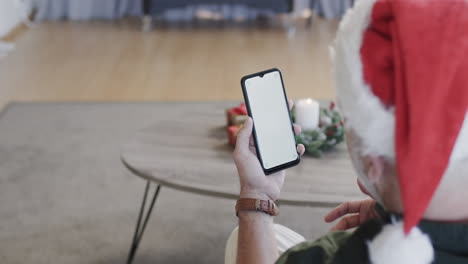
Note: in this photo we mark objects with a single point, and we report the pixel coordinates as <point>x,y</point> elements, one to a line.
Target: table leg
<point>147,19</point>
<point>140,229</point>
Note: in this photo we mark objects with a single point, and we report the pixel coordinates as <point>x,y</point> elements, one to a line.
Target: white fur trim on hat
<point>392,246</point>
<point>364,112</point>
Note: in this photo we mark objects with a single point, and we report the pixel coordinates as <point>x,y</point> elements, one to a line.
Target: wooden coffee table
<point>186,149</point>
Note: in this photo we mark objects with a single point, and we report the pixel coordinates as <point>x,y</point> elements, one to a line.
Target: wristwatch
<point>248,204</point>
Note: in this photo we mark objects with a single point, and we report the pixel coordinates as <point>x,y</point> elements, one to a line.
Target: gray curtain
<point>331,8</point>
<point>86,9</point>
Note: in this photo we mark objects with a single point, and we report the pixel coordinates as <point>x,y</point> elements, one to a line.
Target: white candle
<point>307,114</point>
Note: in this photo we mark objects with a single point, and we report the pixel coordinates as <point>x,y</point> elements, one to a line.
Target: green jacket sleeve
<point>320,251</point>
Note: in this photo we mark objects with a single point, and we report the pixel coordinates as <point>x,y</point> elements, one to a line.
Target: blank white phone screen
<point>275,137</point>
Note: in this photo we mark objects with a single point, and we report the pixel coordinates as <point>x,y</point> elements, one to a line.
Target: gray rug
<point>65,197</point>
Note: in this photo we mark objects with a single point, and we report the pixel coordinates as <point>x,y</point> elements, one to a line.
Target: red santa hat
<point>402,79</point>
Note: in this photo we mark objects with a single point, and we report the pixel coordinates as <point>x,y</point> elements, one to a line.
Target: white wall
<point>11,13</point>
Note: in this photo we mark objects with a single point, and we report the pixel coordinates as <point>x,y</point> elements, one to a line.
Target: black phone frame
<point>247,103</point>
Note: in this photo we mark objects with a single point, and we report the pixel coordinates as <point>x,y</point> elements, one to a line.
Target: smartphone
<point>267,104</point>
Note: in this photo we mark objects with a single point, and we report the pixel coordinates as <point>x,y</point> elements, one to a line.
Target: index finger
<point>348,222</point>
<point>343,209</point>
<point>244,136</point>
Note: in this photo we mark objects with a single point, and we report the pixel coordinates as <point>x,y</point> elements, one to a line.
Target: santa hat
<point>402,79</point>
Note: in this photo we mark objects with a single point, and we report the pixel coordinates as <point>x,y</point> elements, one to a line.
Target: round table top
<point>186,148</point>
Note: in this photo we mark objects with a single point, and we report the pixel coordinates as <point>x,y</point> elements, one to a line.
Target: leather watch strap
<point>248,204</point>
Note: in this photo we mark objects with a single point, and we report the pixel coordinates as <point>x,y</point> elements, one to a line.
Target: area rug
<point>65,197</point>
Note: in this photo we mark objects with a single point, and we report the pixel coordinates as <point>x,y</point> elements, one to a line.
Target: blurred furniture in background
<point>114,9</point>
<point>184,10</point>
<point>231,10</point>
<point>331,8</point>
<point>234,10</point>
<point>86,9</point>
<point>159,7</point>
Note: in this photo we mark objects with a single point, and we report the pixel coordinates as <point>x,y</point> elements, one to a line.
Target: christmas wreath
<point>329,133</point>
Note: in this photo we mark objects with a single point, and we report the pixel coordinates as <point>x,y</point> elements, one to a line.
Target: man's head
<point>378,178</point>
<point>405,105</point>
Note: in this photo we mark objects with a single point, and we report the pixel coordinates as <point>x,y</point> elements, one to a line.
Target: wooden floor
<point>102,61</point>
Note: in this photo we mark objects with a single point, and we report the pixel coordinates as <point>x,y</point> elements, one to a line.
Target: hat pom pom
<point>391,246</point>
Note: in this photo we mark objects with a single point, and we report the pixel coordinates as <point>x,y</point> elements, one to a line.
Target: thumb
<point>243,137</point>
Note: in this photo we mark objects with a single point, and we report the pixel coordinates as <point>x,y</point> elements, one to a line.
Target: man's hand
<point>355,213</point>
<point>257,242</point>
<point>253,181</point>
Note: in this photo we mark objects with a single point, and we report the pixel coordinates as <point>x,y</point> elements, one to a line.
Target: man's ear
<point>375,167</point>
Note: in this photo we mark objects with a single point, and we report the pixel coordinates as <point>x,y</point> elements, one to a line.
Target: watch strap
<point>249,204</point>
